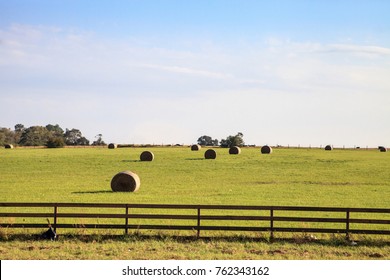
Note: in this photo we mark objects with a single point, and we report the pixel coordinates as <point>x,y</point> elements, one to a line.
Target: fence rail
<point>270,219</point>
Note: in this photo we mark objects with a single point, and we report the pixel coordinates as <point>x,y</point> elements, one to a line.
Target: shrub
<point>56,142</point>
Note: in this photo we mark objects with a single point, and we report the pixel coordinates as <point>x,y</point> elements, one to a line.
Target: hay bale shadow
<point>92,192</point>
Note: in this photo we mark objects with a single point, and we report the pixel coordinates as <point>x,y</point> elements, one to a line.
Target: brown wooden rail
<point>270,219</point>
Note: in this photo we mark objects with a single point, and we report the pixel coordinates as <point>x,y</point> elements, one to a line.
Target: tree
<point>55,130</point>
<point>19,128</point>
<point>207,141</point>
<point>34,136</point>
<point>7,136</point>
<point>56,136</point>
<point>74,137</point>
<point>55,142</point>
<point>230,141</point>
<point>99,141</point>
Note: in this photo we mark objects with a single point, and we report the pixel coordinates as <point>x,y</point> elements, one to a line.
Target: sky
<point>308,73</point>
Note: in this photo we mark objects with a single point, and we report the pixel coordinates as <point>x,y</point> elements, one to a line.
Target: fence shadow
<point>136,237</point>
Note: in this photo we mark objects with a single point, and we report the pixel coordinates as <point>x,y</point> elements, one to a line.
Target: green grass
<point>161,247</point>
<point>297,177</point>
<point>310,177</point>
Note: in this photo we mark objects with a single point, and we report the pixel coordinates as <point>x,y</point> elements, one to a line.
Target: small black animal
<point>50,234</point>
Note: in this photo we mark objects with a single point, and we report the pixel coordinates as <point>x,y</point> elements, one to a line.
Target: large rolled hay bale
<point>195,147</point>
<point>8,146</point>
<point>146,156</point>
<point>328,148</point>
<point>112,146</point>
<point>382,149</point>
<point>234,150</point>
<point>125,181</point>
<point>266,149</point>
<point>210,154</point>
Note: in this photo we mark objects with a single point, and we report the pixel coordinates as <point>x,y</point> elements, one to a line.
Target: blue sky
<point>281,72</point>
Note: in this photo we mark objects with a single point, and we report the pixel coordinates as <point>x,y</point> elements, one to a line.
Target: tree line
<point>228,142</point>
<point>52,136</point>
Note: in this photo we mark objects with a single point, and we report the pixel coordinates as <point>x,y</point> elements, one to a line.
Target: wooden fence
<point>198,218</point>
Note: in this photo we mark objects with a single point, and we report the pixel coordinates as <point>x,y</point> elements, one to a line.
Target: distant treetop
<point>52,136</point>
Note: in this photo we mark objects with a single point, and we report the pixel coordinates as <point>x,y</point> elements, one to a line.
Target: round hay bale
<point>382,149</point>
<point>112,146</point>
<point>125,181</point>
<point>266,149</point>
<point>146,156</point>
<point>195,147</point>
<point>234,150</point>
<point>8,146</point>
<point>210,154</point>
<point>328,148</point>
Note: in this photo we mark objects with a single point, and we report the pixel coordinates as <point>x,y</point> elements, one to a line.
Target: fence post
<point>127,220</point>
<point>347,236</point>
<point>55,218</point>
<point>272,223</point>
<point>198,224</point>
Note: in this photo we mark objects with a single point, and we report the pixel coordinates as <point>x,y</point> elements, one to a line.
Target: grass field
<point>296,177</point>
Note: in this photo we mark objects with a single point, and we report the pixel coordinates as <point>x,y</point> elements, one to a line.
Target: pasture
<point>177,175</point>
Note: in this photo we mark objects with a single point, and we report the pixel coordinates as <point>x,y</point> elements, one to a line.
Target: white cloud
<point>188,71</point>
<point>353,49</point>
<point>276,45</point>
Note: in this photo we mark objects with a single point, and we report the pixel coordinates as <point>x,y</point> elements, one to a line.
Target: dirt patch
<point>276,252</point>
<point>376,256</point>
<point>256,252</point>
